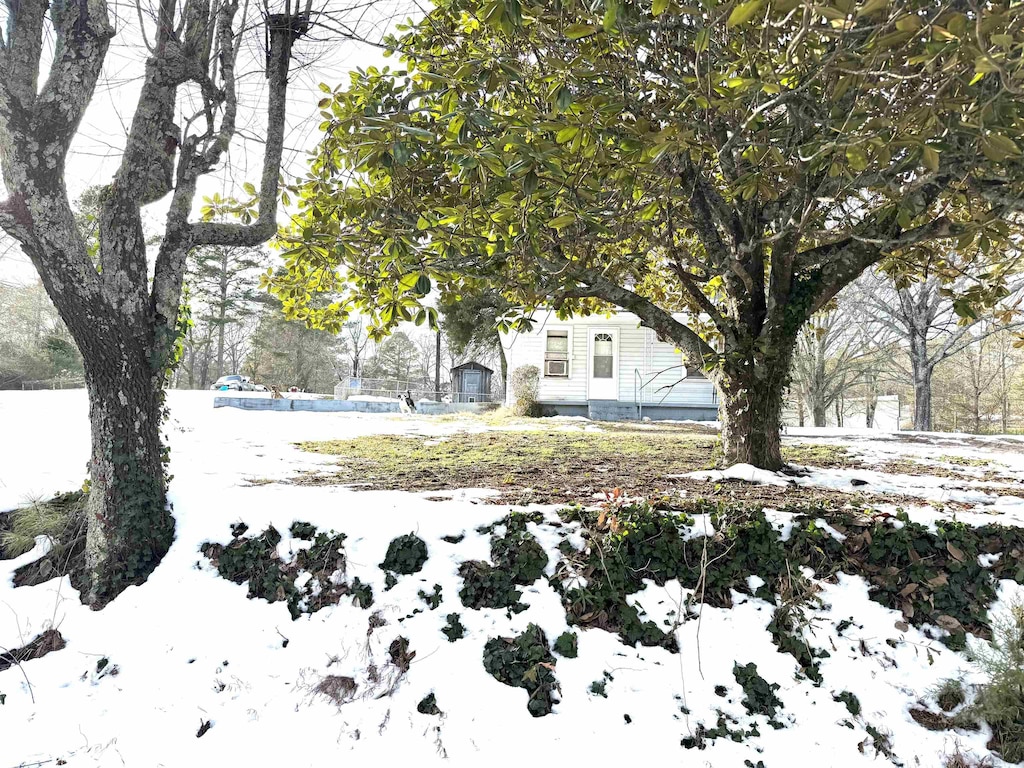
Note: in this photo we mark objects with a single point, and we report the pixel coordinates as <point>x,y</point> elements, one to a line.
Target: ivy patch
<point>525,661</point>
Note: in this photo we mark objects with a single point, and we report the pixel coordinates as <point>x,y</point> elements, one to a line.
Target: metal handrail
<point>638,395</point>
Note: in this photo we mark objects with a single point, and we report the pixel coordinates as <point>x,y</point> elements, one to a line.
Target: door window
<point>604,356</point>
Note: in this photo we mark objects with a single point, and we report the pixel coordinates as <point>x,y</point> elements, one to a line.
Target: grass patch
<point>57,518</point>
<point>62,518</point>
<point>554,465</point>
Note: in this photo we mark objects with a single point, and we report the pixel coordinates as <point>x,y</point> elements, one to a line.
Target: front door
<point>471,386</point>
<point>603,364</point>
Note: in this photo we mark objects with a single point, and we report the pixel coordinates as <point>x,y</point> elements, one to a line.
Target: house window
<point>556,354</point>
<point>604,356</point>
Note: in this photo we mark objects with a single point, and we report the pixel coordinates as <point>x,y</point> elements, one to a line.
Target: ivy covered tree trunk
<point>751,389</point>
<point>122,310</point>
<point>130,527</point>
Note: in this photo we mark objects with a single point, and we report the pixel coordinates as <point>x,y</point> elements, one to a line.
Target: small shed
<point>471,383</point>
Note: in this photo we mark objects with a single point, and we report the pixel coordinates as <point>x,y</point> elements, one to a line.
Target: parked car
<point>235,383</point>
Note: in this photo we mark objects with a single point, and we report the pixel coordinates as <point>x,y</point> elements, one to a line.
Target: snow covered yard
<point>186,670</point>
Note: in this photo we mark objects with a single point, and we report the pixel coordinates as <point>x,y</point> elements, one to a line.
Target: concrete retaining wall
<point>349,406</point>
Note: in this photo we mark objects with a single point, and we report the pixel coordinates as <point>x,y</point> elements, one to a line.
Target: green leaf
<point>744,12</point>
<point>560,222</point>
<point>249,189</point>
<point>872,6</point>
<point>611,15</point>
<point>984,64</point>
<point>530,183</point>
<point>703,38</point>
<point>423,285</point>
<point>997,147</point>
<point>567,134</point>
<point>576,31</point>
<point>408,282</point>
<point>660,6</point>
<point>930,158</point>
<point>563,99</point>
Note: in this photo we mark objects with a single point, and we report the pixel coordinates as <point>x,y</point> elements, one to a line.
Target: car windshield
<point>230,378</point>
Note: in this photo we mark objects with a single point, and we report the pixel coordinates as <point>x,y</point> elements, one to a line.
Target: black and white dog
<point>406,404</point>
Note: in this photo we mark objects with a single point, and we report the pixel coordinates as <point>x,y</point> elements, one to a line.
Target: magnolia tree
<point>124,318</point>
<point>741,160</point>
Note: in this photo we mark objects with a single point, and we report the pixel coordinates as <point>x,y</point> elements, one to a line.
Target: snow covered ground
<point>188,647</point>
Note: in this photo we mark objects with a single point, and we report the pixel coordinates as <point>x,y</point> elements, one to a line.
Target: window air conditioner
<point>556,367</point>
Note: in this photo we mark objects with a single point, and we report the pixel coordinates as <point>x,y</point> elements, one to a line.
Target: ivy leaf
<point>744,12</point>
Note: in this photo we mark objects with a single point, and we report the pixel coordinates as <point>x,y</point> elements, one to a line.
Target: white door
<point>603,364</point>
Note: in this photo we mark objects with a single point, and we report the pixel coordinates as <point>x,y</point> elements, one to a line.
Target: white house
<point>608,367</point>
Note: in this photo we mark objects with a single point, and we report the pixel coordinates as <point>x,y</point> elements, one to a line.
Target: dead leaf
<point>908,590</point>
<point>949,623</point>
<point>954,552</point>
<point>939,581</point>
<point>902,626</point>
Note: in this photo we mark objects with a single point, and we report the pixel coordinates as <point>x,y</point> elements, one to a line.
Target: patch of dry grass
<point>543,465</point>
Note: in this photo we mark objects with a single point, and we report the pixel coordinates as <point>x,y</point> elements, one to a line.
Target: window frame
<point>547,355</point>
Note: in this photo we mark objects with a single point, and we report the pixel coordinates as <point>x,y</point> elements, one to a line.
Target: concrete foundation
<point>618,410</point>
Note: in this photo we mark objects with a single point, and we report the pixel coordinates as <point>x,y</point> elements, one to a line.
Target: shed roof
<point>473,365</point>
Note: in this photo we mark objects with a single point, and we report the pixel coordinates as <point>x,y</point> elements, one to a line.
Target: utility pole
<point>437,368</point>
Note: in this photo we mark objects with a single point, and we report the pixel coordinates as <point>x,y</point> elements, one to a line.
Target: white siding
<point>656,371</point>
<point>639,350</point>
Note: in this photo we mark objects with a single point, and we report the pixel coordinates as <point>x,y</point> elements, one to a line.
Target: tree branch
<point>265,226</point>
<point>697,351</point>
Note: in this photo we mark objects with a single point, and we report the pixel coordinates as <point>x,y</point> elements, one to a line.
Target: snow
<point>189,647</point>
<point>744,472</point>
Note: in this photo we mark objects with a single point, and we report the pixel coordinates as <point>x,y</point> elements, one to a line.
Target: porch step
<point>611,410</point>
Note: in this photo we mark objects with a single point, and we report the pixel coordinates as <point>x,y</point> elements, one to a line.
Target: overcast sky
<point>326,57</point>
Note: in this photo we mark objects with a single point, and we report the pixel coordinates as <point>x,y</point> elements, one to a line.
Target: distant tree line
<point>956,368</point>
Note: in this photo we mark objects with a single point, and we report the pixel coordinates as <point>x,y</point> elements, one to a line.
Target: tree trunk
<point>751,411</point>
<point>923,399</point>
<point>130,527</point>
<point>976,410</point>
<point>818,411</point>
<point>437,368</point>
<point>504,366</point>
<point>870,400</point>
<point>222,313</point>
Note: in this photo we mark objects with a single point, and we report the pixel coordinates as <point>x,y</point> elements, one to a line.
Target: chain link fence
<point>361,388</point>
